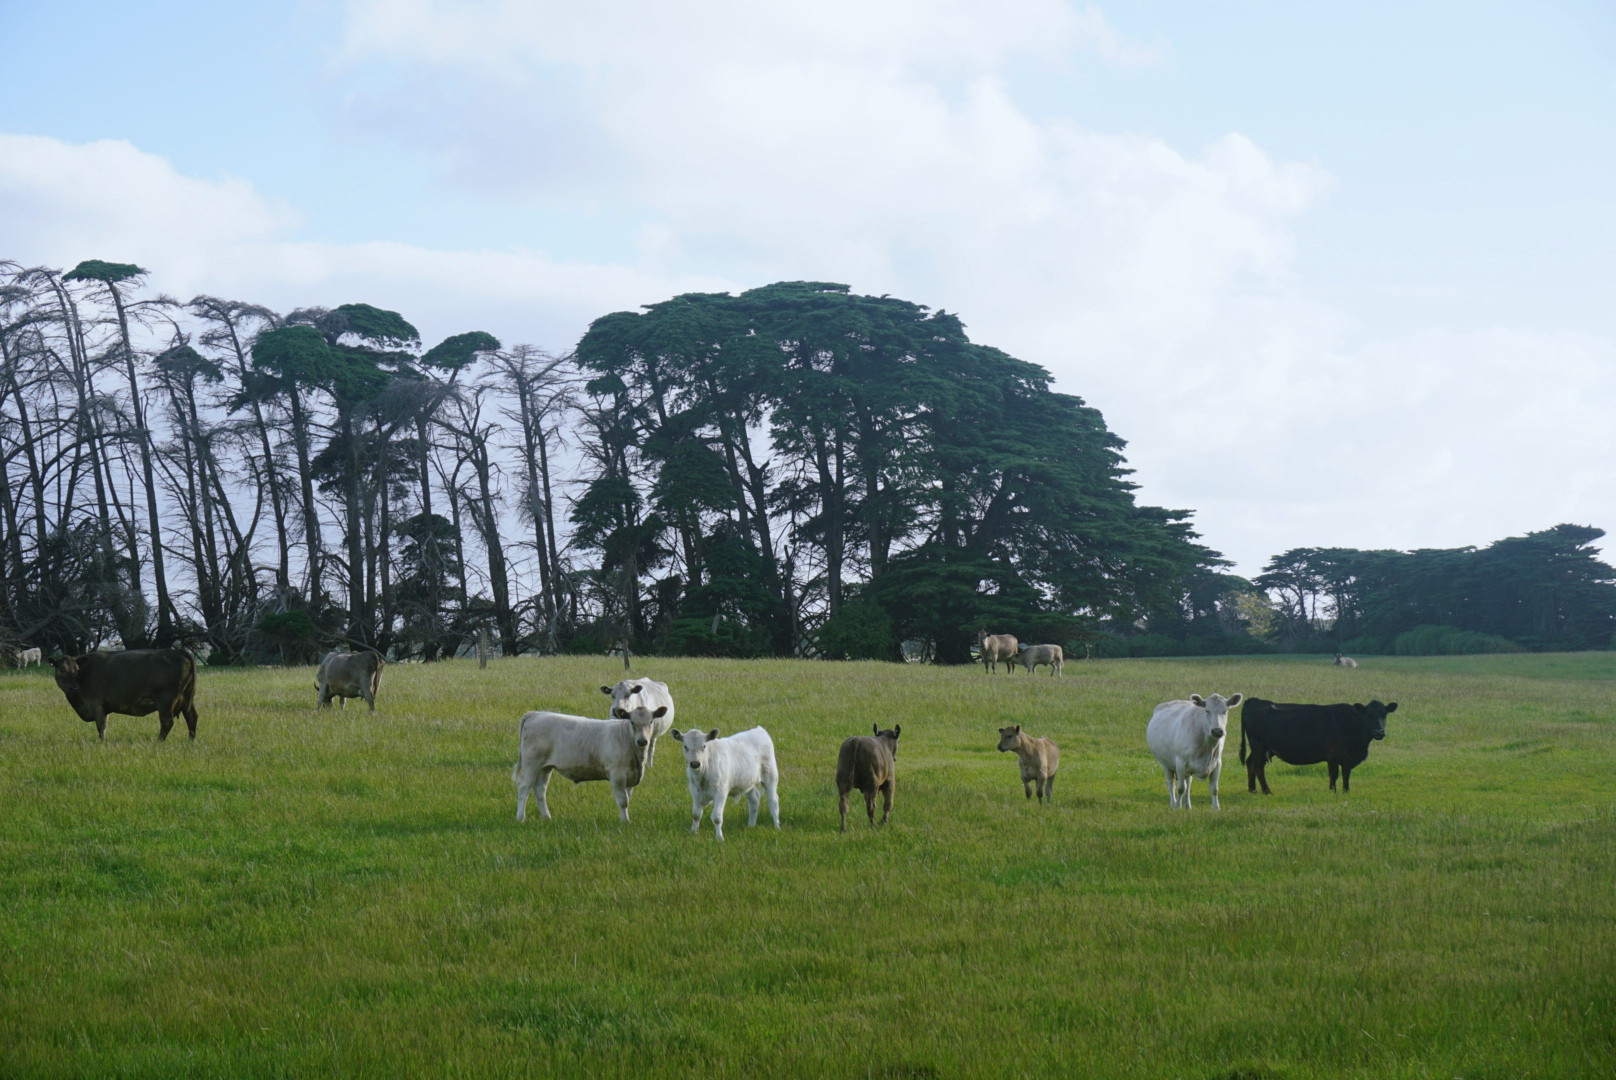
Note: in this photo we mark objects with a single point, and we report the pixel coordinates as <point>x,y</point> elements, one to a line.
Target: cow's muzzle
<point>695,764</point>
<point>1217,733</point>
<point>1379,735</point>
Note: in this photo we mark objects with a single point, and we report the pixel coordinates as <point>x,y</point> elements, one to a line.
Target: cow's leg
<point>1026,786</point>
<point>190,718</point>
<point>650,752</point>
<point>841,806</point>
<point>1346,779</point>
<point>697,808</point>
<point>165,723</point>
<point>541,789</point>
<point>869,804</point>
<point>1049,789</point>
<point>1334,769</point>
<point>101,724</point>
<point>622,793</point>
<point>1172,788</point>
<point>1212,782</point>
<point>771,788</point>
<point>753,796</point>
<point>886,800</point>
<point>370,699</point>
<point>719,801</point>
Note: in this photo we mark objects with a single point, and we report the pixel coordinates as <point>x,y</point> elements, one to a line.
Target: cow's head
<point>1217,710</point>
<point>623,696</point>
<point>1374,717</point>
<point>695,747</point>
<point>890,735</point>
<point>641,723</point>
<point>67,673</point>
<point>1009,736</point>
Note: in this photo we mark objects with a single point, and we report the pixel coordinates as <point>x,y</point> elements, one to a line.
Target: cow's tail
<point>1242,739</point>
<point>187,692</point>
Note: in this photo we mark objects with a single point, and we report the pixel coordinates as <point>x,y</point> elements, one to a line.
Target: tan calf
<point>1040,758</point>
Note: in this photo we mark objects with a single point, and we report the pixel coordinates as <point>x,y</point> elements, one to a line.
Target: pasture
<point>347,894</point>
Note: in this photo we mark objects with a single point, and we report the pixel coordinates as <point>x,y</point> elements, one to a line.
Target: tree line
<point>794,470</point>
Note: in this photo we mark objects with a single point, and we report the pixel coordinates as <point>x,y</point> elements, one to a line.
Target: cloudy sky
<point>1341,274</point>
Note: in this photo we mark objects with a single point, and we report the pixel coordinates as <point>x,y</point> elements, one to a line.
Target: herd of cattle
<point>1186,737</point>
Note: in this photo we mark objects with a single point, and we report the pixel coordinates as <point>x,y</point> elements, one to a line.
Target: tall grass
<point>341,893</point>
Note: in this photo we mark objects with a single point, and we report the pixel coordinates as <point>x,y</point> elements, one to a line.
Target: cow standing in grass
<point>869,763</point>
<point>348,675</point>
<point>135,682</point>
<point>1338,735</point>
<point>720,769</point>
<point>1187,739</point>
<point>30,656</point>
<point>1031,656</point>
<point>997,647</point>
<point>1039,759</point>
<point>647,692</point>
<point>581,748</point>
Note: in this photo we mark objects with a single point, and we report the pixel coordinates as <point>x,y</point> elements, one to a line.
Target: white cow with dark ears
<point>1187,738</point>
<point>719,769</point>
<point>650,693</point>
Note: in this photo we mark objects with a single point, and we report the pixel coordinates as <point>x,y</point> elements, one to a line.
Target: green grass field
<point>345,894</point>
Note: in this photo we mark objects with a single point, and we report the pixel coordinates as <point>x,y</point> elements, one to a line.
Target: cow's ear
<point>661,711</point>
<point>678,736</point>
<point>1391,708</point>
<point>1235,701</point>
<point>1196,698</point>
<point>606,690</point>
<point>1018,729</point>
<point>896,731</point>
<point>621,714</point>
<point>634,689</point>
<point>876,728</point>
<point>713,734</point>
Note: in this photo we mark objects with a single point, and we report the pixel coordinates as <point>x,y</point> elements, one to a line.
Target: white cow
<point>581,748</point>
<point>1345,661</point>
<point>1187,738</point>
<point>30,656</point>
<point>1031,656</point>
<point>719,769</point>
<point>348,675</point>
<point>650,693</point>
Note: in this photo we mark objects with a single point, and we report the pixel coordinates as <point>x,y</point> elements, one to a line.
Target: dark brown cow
<point>868,763</point>
<point>135,682</point>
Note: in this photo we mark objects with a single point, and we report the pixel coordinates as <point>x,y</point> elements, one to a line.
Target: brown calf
<point>1040,758</point>
<point>868,763</point>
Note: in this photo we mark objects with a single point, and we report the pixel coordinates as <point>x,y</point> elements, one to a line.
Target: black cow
<point>1307,735</point>
<point>134,682</point>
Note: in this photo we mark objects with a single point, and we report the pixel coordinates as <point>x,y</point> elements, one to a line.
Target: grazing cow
<point>868,763</point>
<point>30,656</point>
<point>581,748</point>
<point>349,675</point>
<point>996,647</point>
<point>1307,735</point>
<point>1031,656</point>
<point>1345,661</point>
<point>650,693</point>
<point>134,682</point>
<point>1039,760</point>
<point>720,769</point>
<point>1187,738</point>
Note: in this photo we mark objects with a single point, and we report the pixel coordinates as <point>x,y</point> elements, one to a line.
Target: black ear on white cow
<point>1198,701</point>
<point>1236,700</point>
<point>661,711</point>
<point>1392,707</point>
<point>677,735</point>
<point>621,714</point>
<point>713,734</point>
<point>606,690</point>
<point>634,690</point>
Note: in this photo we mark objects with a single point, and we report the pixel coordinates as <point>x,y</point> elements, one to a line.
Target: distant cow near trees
<point>1345,661</point>
<point>1308,734</point>
<point>1031,656</point>
<point>349,675</point>
<point>135,682</point>
<point>996,648</point>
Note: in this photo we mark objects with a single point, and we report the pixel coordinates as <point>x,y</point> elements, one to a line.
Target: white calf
<point>650,693</point>
<point>719,769</point>
<point>30,656</point>
<point>1345,661</point>
<point>580,748</point>
<point>1187,738</point>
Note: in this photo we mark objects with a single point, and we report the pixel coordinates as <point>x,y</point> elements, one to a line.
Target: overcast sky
<point>1340,274</point>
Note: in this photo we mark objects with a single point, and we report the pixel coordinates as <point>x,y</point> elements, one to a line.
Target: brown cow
<point>868,763</point>
<point>134,682</point>
<point>996,647</point>
<point>347,675</point>
<point>1040,758</point>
